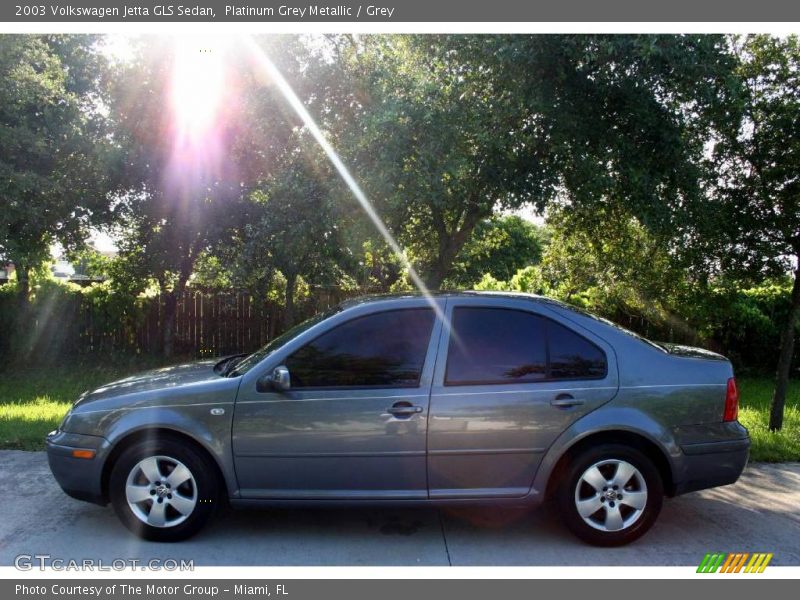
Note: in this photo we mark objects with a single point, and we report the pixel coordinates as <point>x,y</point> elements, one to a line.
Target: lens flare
<point>198,80</point>
<point>200,97</point>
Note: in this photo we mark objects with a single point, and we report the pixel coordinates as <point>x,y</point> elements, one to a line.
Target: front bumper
<point>81,478</point>
<point>711,464</point>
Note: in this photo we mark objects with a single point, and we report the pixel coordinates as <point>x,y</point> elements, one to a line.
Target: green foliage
<point>90,262</point>
<point>380,269</point>
<point>751,225</point>
<point>742,322</point>
<point>610,134</point>
<point>749,222</point>
<point>211,273</point>
<point>294,226</point>
<point>53,332</point>
<point>618,270</point>
<point>293,229</point>
<point>444,130</point>
<point>499,246</point>
<point>57,165</point>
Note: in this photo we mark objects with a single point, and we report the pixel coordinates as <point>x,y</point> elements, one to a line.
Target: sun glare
<point>199,98</point>
<point>198,83</point>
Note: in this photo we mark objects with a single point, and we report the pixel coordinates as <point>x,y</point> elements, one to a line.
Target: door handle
<point>403,409</point>
<point>565,401</point>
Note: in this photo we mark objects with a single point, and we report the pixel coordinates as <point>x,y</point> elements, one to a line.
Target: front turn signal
<point>81,453</point>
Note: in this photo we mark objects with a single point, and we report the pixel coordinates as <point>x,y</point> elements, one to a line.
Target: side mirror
<point>279,380</point>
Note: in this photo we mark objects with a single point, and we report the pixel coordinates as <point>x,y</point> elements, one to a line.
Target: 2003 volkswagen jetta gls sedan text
<point>445,399</point>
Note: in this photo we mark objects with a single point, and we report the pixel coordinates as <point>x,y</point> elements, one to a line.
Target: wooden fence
<point>206,324</point>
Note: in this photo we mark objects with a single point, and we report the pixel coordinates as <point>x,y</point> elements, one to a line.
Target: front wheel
<point>610,495</point>
<point>164,490</point>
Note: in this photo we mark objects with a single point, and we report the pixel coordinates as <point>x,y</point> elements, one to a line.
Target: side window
<point>495,345</point>
<point>573,356</point>
<point>384,349</point>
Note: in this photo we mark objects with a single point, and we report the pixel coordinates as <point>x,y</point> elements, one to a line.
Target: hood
<point>163,379</point>
<point>689,351</point>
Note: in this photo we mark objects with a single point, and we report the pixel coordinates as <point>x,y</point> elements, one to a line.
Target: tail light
<point>731,402</point>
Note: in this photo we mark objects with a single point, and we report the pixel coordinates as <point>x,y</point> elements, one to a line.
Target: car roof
<point>442,294</point>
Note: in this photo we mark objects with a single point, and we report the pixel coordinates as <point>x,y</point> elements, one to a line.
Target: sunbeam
<point>297,106</point>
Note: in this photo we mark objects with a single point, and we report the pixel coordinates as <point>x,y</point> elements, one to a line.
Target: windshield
<point>256,357</point>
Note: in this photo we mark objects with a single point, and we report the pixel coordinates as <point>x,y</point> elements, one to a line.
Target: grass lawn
<point>33,402</point>
<point>755,395</point>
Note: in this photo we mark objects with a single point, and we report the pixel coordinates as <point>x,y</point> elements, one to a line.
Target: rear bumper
<point>80,478</point>
<point>711,464</point>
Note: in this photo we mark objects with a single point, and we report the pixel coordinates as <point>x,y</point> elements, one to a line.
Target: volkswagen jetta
<point>476,398</point>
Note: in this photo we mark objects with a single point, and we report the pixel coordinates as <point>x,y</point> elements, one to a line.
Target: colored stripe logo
<point>735,562</point>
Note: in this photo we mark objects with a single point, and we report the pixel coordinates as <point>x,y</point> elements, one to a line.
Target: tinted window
<point>491,345</point>
<point>573,356</point>
<point>384,349</point>
<point>494,345</point>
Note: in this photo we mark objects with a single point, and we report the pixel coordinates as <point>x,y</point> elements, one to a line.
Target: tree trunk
<point>170,309</point>
<point>785,358</point>
<point>171,299</point>
<point>288,307</point>
<point>437,273</point>
<point>449,247</point>
<point>23,283</point>
<point>450,244</point>
<point>23,326</point>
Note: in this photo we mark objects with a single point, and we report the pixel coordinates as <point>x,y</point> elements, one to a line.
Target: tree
<point>182,180</point>
<point>618,269</point>
<point>749,224</point>
<point>56,163</point>
<point>293,227</point>
<point>499,246</point>
<point>446,130</point>
<point>428,136</point>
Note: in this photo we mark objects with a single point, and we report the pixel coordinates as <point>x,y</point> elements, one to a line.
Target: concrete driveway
<point>758,514</point>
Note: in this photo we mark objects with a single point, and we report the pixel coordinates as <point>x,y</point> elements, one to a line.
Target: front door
<point>354,422</point>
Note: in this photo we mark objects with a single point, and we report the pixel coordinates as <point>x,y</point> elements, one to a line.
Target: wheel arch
<point>627,437</point>
<point>151,433</point>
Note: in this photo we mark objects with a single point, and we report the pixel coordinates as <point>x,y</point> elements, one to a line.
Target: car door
<point>353,423</point>
<point>510,377</point>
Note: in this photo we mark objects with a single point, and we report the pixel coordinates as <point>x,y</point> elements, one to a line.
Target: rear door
<point>510,377</point>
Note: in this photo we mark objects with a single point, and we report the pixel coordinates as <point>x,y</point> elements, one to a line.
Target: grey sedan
<point>476,398</point>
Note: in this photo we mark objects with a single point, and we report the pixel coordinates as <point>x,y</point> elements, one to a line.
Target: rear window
<point>489,345</point>
<point>496,346</point>
<point>572,356</point>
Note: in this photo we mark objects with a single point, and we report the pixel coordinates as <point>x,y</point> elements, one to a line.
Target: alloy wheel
<point>161,491</point>
<point>611,495</point>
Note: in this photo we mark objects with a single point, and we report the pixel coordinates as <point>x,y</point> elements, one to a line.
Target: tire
<point>164,489</point>
<point>589,483</point>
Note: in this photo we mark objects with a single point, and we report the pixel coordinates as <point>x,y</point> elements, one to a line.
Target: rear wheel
<point>164,490</point>
<point>610,495</point>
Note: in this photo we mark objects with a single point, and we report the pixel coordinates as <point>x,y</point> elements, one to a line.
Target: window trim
<point>406,386</point>
<point>547,378</point>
